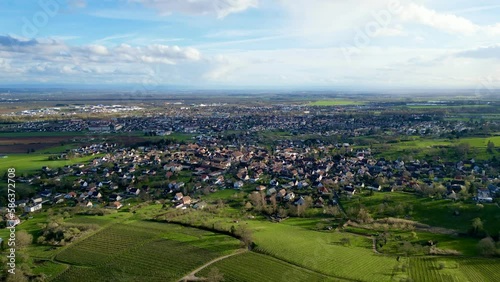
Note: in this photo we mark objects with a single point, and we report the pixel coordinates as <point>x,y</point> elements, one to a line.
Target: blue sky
<point>358,44</point>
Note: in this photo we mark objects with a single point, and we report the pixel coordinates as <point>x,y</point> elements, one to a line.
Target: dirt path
<point>192,276</point>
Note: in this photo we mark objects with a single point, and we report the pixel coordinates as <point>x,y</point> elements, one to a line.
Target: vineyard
<point>454,269</point>
<point>142,250</point>
<point>75,273</point>
<point>430,269</point>
<point>323,252</point>
<point>257,267</point>
<point>101,247</point>
<point>481,269</point>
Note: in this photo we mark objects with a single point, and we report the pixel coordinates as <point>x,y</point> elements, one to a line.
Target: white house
<point>33,208</point>
<point>238,184</point>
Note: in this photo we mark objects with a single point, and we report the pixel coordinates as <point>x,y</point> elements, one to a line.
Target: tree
<point>407,248</point>
<point>490,147</point>
<point>23,239</point>
<point>215,275</point>
<point>258,201</point>
<point>486,247</point>
<point>345,241</point>
<point>245,235</point>
<point>477,226</point>
<point>463,149</point>
<point>282,213</point>
<point>220,204</point>
<point>274,205</point>
<point>332,210</point>
<point>364,216</point>
<point>19,276</point>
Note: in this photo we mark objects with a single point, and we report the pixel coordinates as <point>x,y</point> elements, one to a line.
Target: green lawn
<point>28,163</point>
<point>225,194</point>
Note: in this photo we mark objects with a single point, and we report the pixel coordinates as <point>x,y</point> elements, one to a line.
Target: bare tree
<point>23,239</point>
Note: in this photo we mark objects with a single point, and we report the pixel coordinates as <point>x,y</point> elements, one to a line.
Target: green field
<point>143,250</point>
<point>477,142</point>
<point>449,269</point>
<point>336,102</point>
<point>252,266</point>
<point>125,249</point>
<point>433,212</point>
<point>294,241</point>
<point>27,163</point>
<point>447,106</point>
<point>427,148</point>
<point>40,134</point>
<point>322,251</point>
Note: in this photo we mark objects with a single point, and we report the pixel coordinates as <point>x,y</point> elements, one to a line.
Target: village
<point>290,174</point>
<point>350,121</point>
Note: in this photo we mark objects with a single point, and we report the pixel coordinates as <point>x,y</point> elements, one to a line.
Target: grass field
<point>322,251</point>
<point>476,142</point>
<point>444,107</point>
<point>433,211</point>
<point>427,148</point>
<point>48,268</point>
<point>138,250</point>
<point>27,163</point>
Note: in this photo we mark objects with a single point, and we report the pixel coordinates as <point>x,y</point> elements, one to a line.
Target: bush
<point>486,247</point>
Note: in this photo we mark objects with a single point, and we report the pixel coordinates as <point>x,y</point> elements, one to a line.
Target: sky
<point>246,44</point>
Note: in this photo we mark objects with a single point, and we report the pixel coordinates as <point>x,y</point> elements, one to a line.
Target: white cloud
<point>48,59</point>
<point>98,50</point>
<point>441,21</point>
<point>321,20</point>
<point>487,52</point>
<point>188,53</point>
<point>390,31</point>
<point>219,8</point>
<point>493,30</point>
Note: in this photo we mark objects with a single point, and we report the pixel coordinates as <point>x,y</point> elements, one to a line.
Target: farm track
<point>192,276</point>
